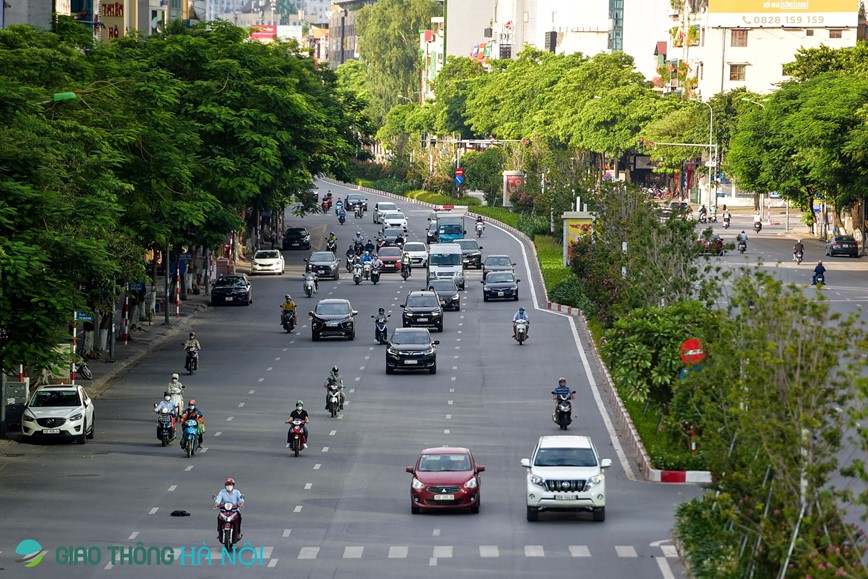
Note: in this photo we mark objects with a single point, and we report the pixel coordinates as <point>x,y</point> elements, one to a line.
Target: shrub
<point>533,225</point>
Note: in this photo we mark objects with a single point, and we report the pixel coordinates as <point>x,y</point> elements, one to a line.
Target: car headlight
<point>417,484</point>
<point>76,416</point>
<point>27,417</point>
<point>391,352</point>
<point>306,238</point>
<point>455,297</point>
<point>471,484</point>
<point>595,480</point>
<point>429,351</point>
<point>254,262</point>
<point>486,288</point>
<point>435,314</point>
<point>537,480</point>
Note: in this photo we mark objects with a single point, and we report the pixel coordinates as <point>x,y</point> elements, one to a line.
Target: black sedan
<point>324,263</point>
<point>232,289</point>
<point>471,254</point>
<point>296,238</point>
<point>497,263</point>
<point>353,199</point>
<point>842,245</point>
<point>447,291</point>
<point>333,317</point>
<point>500,285</point>
<point>411,349</point>
<point>422,308</point>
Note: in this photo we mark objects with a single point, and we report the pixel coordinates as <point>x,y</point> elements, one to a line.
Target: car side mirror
<point>355,313</point>
<point>525,462</point>
<point>513,265</point>
<point>305,260</point>
<point>403,305</point>
<point>606,463</point>
<point>436,342</point>
<point>310,314</point>
<point>517,280</point>
<point>480,247</point>
<point>482,282</point>
<point>410,469</point>
<point>480,468</point>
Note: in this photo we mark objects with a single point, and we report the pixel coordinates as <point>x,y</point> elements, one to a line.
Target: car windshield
<point>444,259</point>
<point>414,247</point>
<point>390,252</point>
<point>355,197</point>
<point>848,238</point>
<point>384,207</point>
<point>444,285</point>
<point>230,282</point>
<point>498,278</point>
<point>49,399</point>
<point>296,232</point>
<point>451,228</point>
<point>444,463</point>
<point>498,261</point>
<point>468,244</point>
<point>423,302</point>
<point>565,457</point>
<point>411,338</point>
<point>396,215</point>
<point>333,309</point>
<point>322,256</point>
<point>267,254</point>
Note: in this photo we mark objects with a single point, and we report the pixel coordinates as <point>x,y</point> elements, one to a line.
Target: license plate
<point>444,497</point>
<point>51,431</point>
<point>229,299</point>
<point>565,497</point>
<point>296,244</point>
<point>411,361</point>
<point>332,324</point>
<point>500,294</point>
<point>423,319</point>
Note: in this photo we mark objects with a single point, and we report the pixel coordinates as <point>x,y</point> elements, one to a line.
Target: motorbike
<point>326,205</point>
<point>521,331</point>
<point>228,521</point>
<point>191,364</point>
<point>358,247</point>
<point>334,404</point>
<point>191,437</point>
<point>479,228</point>
<point>287,318</point>
<point>367,270</point>
<point>726,222</point>
<point>357,273</point>
<point>338,207</point>
<point>331,245</point>
<point>297,439</point>
<point>309,285</point>
<point>703,218</point>
<point>82,370</point>
<point>165,426</point>
<point>563,414</point>
<point>359,211</point>
<point>798,257</point>
<point>757,226</point>
<point>375,275</point>
<point>350,262</point>
<point>405,272</point>
<point>381,333</point>
<point>742,246</point>
<point>820,280</point>
<point>342,218</point>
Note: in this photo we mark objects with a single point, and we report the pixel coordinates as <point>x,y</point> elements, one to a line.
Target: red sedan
<point>445,478</point>
<point>391,258</point>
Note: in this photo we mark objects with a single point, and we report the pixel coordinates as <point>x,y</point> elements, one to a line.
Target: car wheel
<point>415,510</point>
<point>82,438</point>
<point>92,426</point>
<point>440,327</point>
<point>389,369</point>
<point>315,337</point>
<point>352,336</point>
<point>484,298</point>
<point>337,275</point>
<point>213,302</point>
<point>433,369</point>
<point>475,508</point>
<point>600,514</point>
<point>532,514</point>
<point>405,324</point>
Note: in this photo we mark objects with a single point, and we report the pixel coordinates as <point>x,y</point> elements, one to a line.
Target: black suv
<point>471,256</point>
<point>353,199</point>
<point>422,308</point>
<point>296,238</point>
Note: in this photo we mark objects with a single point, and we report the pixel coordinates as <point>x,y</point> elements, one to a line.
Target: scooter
<point>520,331</point>
<point>381,333</point>
<point>309,284</point>
<point>339,207</point>
<point>82,370</point>
<point>287,318</point>
<point>375,275</point>
<point>228,520</point>
<point>726,222</point>
<point>757,226</point>
<point>331,246</point>
<point>742,246</point>
<point>819,280</point>
<point>191,437</point>
<point>350,261</point>
<point>177,398</point>
<point>297,439</point>
<point>367,270</point>
<point>479,228</point>
<point>334,404</point>
<point>342,218</point>
<point>405,272</point>
<point>357,273</point>
<point>798,257</point>
<point>191,364</point>
<point>326,205</point>
<point>359,211</point>
<point>562,416</point>
<point>165,426</point>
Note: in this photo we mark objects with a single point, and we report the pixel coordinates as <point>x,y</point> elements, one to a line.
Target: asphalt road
<point>342,508</point>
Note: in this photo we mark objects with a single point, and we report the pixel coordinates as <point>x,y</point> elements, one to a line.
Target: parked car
<point>267,261</point>
<point>710,244</point>
<point>395,219</point>
<point>500,285</point>
<point>353,199</point>
<point>391,257</point>
<point>842,245</point>
<point>445,478</point>
<point>333,317</point>
<point>422,308</point>
<point>497,263</point>
<point>471,253</point>
<point>565,473</point>
<point>58,411</point>
<point>381,208</point>
<point>232,289</point>
<point>411,349</point>
<point>418,253</point>
<point>323,263</point>
<point>447,291</point>
<point>296,238</point>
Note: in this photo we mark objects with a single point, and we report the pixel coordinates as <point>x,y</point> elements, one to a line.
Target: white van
<point>445,261</point>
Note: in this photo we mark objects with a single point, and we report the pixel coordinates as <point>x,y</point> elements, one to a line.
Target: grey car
<point>324,263</point>
<point>471,253</point>
<point>497,263</point>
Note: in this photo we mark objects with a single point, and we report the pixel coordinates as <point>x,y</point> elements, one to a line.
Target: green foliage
<point>812,62</point>
<point>502,214</point>
<point>483,171</point>
<point>709,545</point>
<point>453,86</point>
<point>440,199</point>
<point>533,225</point>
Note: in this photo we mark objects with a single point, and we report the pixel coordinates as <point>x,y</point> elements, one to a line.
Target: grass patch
<point>440,199</point>
<point>501,214</point>
<point>551,260</point>
<point>665,452</point>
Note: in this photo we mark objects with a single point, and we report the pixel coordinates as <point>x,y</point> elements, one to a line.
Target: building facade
<point>343,40</point>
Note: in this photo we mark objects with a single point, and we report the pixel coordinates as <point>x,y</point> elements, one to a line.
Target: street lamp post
<point>712,159</point>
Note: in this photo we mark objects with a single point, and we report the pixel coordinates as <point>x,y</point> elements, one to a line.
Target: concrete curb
<point>622,417</point>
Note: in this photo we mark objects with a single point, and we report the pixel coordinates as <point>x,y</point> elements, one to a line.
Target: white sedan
<point>395,219</point>
<point>418,253</point>
<point>267,261</point>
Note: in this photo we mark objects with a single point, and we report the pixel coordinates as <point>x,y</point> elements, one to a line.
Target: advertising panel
<point>782,13</point>
<point>263,32</point>
<point>112,15</point>
<point>575,228</point>
<point>513,181</point>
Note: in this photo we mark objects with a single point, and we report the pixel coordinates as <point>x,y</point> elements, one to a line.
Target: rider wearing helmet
<point>229,494</point>
<point>332,238</point>
<point>288,306</point>
<point>799,247</point>
<point>358,238</point>
<point>175,390</point>
<point>562,389</point>
<point>302,415</point>
<point>370,247</point>
<point>335,381</point>
<point>192,412</point>
<point>366,258</point>
<point>521,314</point>
<point>165,404</point>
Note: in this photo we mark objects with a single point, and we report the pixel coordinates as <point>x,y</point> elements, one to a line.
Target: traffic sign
<point>459,179</point>
<point>83,317</point>
<point>459,171</point>
<point>692,351</point>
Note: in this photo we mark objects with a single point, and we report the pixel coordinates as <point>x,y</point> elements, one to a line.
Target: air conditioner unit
<point>487,32</point>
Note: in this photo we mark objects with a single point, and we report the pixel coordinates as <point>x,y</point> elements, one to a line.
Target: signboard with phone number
<point>782,13</point>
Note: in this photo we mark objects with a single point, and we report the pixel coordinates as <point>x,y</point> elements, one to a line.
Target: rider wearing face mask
<point>166,403</point>
<point>229,494</point>
<point>334,380</point>
<point>302,415</point>
<point>194,413</point>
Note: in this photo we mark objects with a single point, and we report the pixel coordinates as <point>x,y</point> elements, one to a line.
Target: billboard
<point>783,13</point>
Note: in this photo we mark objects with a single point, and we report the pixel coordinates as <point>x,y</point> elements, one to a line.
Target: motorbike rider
<point>562,390</point>
<point>366,258</point>
<point>339,207</point>
<point>302,415</point>
<point>288,306</point>
<point>166,403</point>
<point>757,219</point>
<point>521,314</point>
<point>799,247</point>
<point>369,246</point>
<point>332,238</point>
<point>727,216</point>
<point>742,237</point>
<point>819,270</point>
<point>334,380</point>
<point>351,253</point>
<point>229,494</point>
<point>377,263</point>
<point>175,389</point>
<point>399,240</point>
<point>703,212</point>
<point>358,239</point>
<point>479,219</point>
<point>193,413</point>
<point>406,263</point>
<point>192,342</point>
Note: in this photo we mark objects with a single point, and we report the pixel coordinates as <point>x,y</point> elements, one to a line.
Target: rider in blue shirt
<point>366,258</point>
<point>229,494</point>
<point>562,389</point>
<point>521,314</point>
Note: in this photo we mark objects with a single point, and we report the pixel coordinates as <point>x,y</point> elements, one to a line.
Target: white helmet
<point>175,377</point>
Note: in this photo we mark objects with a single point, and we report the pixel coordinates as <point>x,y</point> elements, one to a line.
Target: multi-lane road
<point>342,508</point>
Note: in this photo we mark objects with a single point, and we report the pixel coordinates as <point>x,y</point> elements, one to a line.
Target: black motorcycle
<point>191,364</point>
<point>287,319</point>
<point>332,246</point>
<point>757,226</point>
<point>563,414</point>
<point>381,332</point>
<point>375,275</point>
<point>165,427</point>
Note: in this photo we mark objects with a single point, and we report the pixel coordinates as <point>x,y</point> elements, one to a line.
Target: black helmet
<point>335,369</point>
<point>381,310</point>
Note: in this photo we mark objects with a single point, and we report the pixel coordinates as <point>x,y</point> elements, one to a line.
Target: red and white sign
<point>692,351</point>
<point>459,171</point>
<point>263,32</point>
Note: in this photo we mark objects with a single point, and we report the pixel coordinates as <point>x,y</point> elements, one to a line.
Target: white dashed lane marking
<point>625,551</point>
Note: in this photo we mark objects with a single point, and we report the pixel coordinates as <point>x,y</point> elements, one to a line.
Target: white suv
<point>566,474</point>
<point>61,410</point>
<point>383,207</point>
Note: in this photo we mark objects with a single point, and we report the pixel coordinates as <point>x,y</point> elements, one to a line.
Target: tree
<point>811,62</point>
<point>453,86</point>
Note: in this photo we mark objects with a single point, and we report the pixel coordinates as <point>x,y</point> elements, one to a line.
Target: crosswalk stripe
<point>308,553</point>
<point>489,551</point>
<point>353,552</point>
<point>625,551</point>
<point>580,551</point>
<point>669,551</point>
<point>398,552</point>
<point>534,551</point>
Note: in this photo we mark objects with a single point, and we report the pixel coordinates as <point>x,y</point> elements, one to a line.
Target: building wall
<point>33,12</point>
<point>645,23</point>
<point>465,22</point>
<point>315,10</point>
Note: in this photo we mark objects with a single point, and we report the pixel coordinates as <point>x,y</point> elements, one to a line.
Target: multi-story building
<point>315,10</point>
<point>343,40</point>
<point>433,58</point>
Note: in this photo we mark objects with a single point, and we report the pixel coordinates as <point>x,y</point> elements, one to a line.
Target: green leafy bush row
<point>441,199</point>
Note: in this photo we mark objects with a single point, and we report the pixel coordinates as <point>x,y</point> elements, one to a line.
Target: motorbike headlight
<point>76,416</point>
<point>417,484</point>
<point>471,484</point>
<point>537,480</point>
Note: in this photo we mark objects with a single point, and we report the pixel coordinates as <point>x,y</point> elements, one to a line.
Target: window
<point>809,32</point>
<point>738,38</point>
<point>737,71</point>
<point>835,33</point>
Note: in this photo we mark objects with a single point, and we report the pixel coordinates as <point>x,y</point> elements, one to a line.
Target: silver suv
<point>566,474</point>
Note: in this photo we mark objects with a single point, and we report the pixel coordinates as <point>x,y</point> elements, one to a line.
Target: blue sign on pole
<point>83,317</point>
<point>459,179</point>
